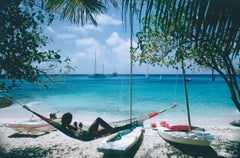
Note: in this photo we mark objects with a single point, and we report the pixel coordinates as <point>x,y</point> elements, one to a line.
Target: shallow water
<point>110,96</point>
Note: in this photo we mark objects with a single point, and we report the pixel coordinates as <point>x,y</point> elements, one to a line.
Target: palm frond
<point>77,11</point>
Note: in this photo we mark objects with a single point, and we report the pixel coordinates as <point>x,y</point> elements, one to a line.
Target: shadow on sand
<point>195,151</point>
<point>233,147</point>
<point>24,153</point>
<point>129,154</point>
<point>21,135</point>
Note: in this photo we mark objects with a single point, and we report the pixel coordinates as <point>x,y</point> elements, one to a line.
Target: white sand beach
<point>226,142</point>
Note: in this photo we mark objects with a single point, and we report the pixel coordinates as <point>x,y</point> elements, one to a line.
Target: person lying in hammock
<point>76,132</point>
<point>92,132</point>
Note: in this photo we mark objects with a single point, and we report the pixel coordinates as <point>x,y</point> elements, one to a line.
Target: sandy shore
<point>226,143</point>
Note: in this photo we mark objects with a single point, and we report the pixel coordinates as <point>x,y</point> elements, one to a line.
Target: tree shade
<point>204,31</point>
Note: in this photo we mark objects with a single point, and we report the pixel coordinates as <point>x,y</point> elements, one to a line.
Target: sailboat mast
<point>131,63</point>
<point>103,68</point>
<point>131,89</point>
<point>186,96</point>
<point>95,63</point>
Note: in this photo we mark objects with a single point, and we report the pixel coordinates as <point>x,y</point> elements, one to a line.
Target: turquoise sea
<point>110,96</point>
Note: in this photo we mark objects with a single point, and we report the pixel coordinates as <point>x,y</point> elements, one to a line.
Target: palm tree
<point>207,30</point>
<point>78,11</point>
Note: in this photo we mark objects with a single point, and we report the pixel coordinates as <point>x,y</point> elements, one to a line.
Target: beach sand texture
<point>226,143</point>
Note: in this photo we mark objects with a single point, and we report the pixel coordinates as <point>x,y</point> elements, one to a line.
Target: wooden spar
<point>131,63</point>
<point>95,63</point>
<point>186,95</point>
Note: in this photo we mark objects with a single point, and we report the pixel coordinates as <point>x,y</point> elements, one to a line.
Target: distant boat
<point>115,74</point>
<point>95,74</point>
<point>188,79</point>
<point>147,73</point>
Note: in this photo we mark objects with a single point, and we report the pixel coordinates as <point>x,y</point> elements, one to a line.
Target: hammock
<point>119,125</point>
<point>56,125</point>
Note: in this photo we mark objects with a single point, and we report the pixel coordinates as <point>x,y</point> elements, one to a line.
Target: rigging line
<point>206,90</point>
<point>200,93</point>
<point>175,88</point>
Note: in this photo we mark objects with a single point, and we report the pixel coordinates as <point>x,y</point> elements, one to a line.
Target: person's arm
<point>76,126</point>
<point>71,127</point>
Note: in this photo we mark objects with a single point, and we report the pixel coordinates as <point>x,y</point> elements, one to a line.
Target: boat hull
<point>196,138</point>
<point>32,126</point>
<point>235,123</point>
<point>123,145</point>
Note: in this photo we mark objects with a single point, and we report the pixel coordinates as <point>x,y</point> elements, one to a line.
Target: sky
<point>110,40</point>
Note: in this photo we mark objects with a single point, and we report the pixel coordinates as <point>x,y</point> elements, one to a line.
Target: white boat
<point>193,137</point>
<point>123,145</point>
<point>127,141</point>
<point>32,126</point>
<point>181,134</point>
<point>235,123</point>
<point>129,138</point>
<point>147,73</point>
<point>95,74</point>
<point>115,74</point>
<point>186,136</point>
<point>188,79</point>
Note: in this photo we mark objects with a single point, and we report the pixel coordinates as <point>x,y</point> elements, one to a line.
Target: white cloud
<point>108,20</point>
<point>78,56</point>
<point>65,36</point>
<point>84,29</point>
<point>90,45</point>
<point>119,46</point>
<point>114,39</point>
<point>87,42</point>
<point>102,20</point>
<point>50,29</point>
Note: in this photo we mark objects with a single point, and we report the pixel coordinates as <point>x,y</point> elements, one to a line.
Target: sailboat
<point>32,126</point>
<point>128,138</point>
<point>147,73</point>
<point>185,134</point>
<point>115,74</point>
<point>95,74</point>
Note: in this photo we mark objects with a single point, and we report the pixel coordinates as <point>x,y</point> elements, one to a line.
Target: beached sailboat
<point>190,135</point>
<point>95,74</point>
<point>130,136</point>
<point>32,126</point>
<point>235,123</point>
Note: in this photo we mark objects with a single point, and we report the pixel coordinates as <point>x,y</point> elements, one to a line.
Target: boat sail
<point>95,74</point>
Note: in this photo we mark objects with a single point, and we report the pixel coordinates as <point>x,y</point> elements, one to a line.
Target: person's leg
<point>120,128</point>
<point>97,122</point>
<point>113,130</point>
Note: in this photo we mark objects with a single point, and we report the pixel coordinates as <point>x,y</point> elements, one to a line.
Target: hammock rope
<point>124,123</point>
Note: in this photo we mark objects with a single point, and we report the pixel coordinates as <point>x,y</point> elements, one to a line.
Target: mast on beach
<point>186,94</point>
